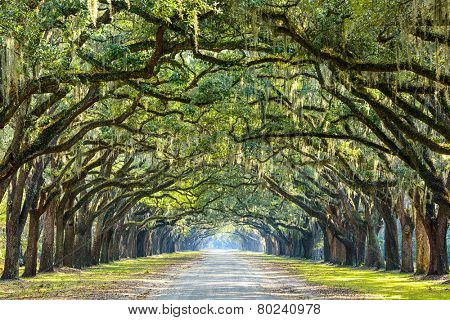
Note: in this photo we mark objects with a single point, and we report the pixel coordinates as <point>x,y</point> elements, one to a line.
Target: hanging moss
<point>93,10</point>
<point>10,66</point>
<point>196,29</point>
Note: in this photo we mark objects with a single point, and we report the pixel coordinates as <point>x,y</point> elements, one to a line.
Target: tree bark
<point>69,238</point>
<point>31,253</point>
<point>78,244</point>
<point>131,243</point>
<point>350,254</point>
<point>326,244</point>
<point>117,243</point>
<point>60,227</point>
<point>407,229</point>
<point>422,243</point>
<point>437,231</point>
<point>391,250</point>
<point>46,261</point>
<point>391,243</point>
<point>97,241</point>
<point>360,245</point>
<point>307,241</point>
<point>106,239</point>
<point>82,255</point>
<point>15,222</point>
<point>373,257</point>
<point>407,264</point>
<point>59,239</point>
<point>32,247</point>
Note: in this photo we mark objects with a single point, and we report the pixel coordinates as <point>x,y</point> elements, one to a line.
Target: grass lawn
<point>380,284</point>
<point>125,279</point>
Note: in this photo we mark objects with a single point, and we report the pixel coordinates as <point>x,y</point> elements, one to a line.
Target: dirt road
<point>221,274</point>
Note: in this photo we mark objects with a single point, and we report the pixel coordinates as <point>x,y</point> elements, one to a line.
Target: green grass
<point>130,279</point>
<point>378,284</point>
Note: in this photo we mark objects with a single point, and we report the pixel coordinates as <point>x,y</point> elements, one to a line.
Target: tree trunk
<point>14,219</point>
<point>104,255</point>
<point>350,254</point>
<point>391,249</point>
<point>32,246</point>
<point>69,238</point>
<point>391,244</point>
<point>14,226</point>
<point>360,245</point>
<point>87,244</point>
<point>122,246</point>
<point>155,241</point>
<point>326,245</point>
<point>78,244</point>
<point>407,229</point>
<point>307,241</point>
<point>437,234</point>
<point>438,243</point>
<point>97,242</point>
<point>269,247</point>
<point>60,228</point>
<point>407,264</point>
<point>46,261</point>
<point>11,266</point>
<point>339,252</point>
<point>281,247</point>
<point>34,230</point>
<point>116,245</point>
<point>131,243</point>
<point>59,239</point>
<point>373,257</point>
<point>111,246</point>
<point>422,243</point>
<point>141,242</point>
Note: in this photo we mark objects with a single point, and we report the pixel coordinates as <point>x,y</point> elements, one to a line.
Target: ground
<point>222,275</point>
<point>126,279</point>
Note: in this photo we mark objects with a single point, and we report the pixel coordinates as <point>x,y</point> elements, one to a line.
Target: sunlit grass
<point>379,284</point>
<point>79,284</point>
